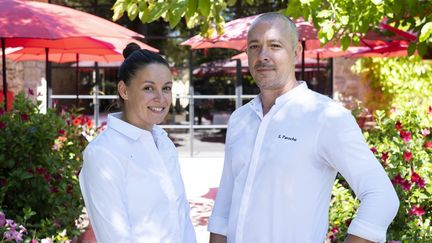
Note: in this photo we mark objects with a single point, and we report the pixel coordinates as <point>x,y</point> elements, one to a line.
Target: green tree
<point>346,20</point>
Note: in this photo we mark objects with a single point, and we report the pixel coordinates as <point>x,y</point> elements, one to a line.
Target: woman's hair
<point>135,60</point>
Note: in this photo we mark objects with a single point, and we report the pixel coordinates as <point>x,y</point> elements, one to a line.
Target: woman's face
<point>148,97</point>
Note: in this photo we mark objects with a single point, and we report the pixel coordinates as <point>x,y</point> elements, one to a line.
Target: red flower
<point>415,177</point>
<point>69,189</point>
<point>40,170</point>
<point>428,144</point>
<point>61,132</point>
<point>2,125</point>
<point>24,117</point>
<point>406,185</point>
<point>407,156</point>
<point>89,123</point>
<point>384,156</point>
<point>2,111</point>
<point>76,121</point>
<point>373,149</point>
<point>398,125</point>
<point>430,110</point>
<point>47,177</point>
<point>397,179</point>
<point>30,92</point>
<point>335,230</point>
<point>54,189</point>
<point>416,210</point>
<point>405,135</point>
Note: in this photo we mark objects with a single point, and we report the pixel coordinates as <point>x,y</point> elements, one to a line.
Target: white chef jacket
<point>279,171</point>
<point>132,187</point>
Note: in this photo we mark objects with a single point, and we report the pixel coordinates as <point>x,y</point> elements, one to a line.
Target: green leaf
<point>377,2</point>
<point>345,42</point>
<point>143,13</point>
<point>156,10</point>
<point>118,8</point>
<point>411,48</point>
<point>422,48</point>
<point>191,8</point>
<point>231,2</point>
<point>176,13</point>
<point>204,7</point>
<point>324,14</point>
<point>250,2</point>
<point>426,32</point>
<point>132,10</point>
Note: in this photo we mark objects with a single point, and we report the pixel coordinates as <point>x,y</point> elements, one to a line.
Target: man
<point>283,151</point>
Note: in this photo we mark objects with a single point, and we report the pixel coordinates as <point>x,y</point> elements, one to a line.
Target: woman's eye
<point>168,88</point>
<point>148,88</point>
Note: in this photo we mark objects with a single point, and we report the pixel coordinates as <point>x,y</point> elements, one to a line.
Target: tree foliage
<point>346,20</point>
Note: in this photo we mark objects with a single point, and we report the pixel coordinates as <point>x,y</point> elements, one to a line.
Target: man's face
<point>271,54</point>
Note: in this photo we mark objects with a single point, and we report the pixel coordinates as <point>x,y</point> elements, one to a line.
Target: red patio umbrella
<point>41,25</point>
<point>235,37</point>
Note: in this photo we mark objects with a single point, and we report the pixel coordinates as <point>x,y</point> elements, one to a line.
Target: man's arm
<point>355,239</point>
<point>217,238</point>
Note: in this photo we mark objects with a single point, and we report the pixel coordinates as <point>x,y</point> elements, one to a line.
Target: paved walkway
<point>201,178</point>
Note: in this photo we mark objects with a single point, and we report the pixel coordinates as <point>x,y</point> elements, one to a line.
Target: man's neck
<point>268,97</point>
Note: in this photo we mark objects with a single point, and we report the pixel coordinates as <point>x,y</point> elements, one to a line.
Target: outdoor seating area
<point>60,70</point>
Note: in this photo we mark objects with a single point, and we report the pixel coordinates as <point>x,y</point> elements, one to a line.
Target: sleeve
<point>342,145</point>
<point>101,180</point>
<point>218,221</point>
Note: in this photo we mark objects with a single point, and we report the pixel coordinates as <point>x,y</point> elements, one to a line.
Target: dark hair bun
<point>131,47</point>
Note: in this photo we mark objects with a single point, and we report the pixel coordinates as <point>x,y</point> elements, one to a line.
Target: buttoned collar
<point>256,103</point>
<point>115,122</point>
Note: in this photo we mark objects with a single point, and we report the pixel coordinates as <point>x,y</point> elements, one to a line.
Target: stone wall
<point>347,86</point>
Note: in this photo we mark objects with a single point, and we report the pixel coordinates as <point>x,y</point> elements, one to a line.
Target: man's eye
<point>252,47</point>
<point>275,45</point>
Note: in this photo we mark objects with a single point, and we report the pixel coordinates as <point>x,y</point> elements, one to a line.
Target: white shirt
<point>279,171</point>
<point>132,187</point>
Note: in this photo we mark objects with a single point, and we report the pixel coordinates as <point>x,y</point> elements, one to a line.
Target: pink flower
<point>428,144</point>
<point>416,210</point>
<point>384,156</point>
<point>40,170</point>
<point>405,135</point>
<point>47,177</point>
<point>54,189</point>
<point>2,111</point>
<point>398,125</point>
<point>425,132</point>
<point>393,109</point>
<point>416,178</point>
<point>373,149</point>
<point>406,185</point>
<point>335,230</point>
<point>2,125</point>
<point>407,156</point>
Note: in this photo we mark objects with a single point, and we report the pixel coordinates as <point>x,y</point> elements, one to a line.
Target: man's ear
<point>298,50</point>
<point>122,90</point>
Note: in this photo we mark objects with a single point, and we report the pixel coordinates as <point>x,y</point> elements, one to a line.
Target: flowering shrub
<point>402,142</point>
<point>40,158</point>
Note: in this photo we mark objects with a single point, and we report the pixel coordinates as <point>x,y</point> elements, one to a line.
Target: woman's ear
<point>122,90</point>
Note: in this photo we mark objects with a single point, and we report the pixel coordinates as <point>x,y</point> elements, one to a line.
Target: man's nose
<point>263,54</point>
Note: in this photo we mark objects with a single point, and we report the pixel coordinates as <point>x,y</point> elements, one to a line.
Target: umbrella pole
<point>3,43</point>
<point>238,88</point>
<point>77,80</point>
<point>303,43</point>
<point>48,78</point>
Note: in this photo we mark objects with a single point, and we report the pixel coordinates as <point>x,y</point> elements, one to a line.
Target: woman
<point>130,180</point>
